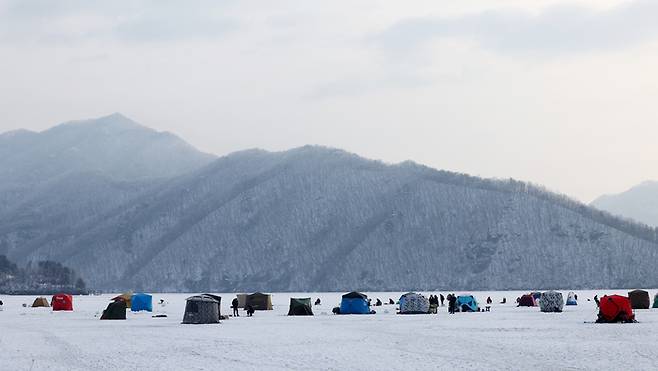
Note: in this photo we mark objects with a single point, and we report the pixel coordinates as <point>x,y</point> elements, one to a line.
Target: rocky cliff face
<point>321,219</point>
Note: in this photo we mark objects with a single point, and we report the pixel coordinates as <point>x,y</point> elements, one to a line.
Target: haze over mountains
<point>639,203</point>
<point>128,207</point>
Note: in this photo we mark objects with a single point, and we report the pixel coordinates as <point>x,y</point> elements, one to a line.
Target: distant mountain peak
<point>113,145</point>
<point>17,133</point>
<point>110,123</point>
<point>639,202</point>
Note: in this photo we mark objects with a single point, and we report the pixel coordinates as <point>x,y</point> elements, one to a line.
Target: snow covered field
<point>505,338</point>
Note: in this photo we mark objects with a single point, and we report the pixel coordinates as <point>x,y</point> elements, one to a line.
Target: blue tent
<point>467,303</point>
<point>571,299</point>
<point>354,303</point>
<point>141,302</point>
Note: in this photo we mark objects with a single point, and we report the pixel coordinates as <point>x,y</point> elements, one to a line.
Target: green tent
<point>116,310</point>
<point>300,307</point>
<point>655,301</point>
<point>259,301</point>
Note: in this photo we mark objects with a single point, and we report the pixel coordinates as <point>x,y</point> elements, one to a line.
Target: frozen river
<point>505,338</point>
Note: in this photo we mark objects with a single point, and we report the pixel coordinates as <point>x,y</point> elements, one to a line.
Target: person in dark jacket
<point>390,301</point>
<point>234,305</point>
<point>434,303</point>
<point>489,301</point>
<point>378,303</point>
<point>317,302</point>
<point>442,299</point>
<point>250,310</point>
<point>596,299</point>
<point>452,300</point>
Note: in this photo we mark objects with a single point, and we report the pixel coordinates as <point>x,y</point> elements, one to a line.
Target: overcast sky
<point>560,93</point>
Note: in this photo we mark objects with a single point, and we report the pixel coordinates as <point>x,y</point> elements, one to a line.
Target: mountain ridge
<point>639,203</point>
<point>320,218</point>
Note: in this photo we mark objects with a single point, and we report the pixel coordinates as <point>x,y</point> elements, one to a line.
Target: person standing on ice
<point>234,305</point>
<point>442,299</point>
<point>452,299</point>
<point>434,303</point>
<point>489,301</point>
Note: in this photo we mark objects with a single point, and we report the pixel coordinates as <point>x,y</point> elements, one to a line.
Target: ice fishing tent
<point>219,303</point>
<point>62,302</point>
<point>300,307</point>
<point>115,310</point>
<point>466,303</point>
<point>259,301</point>
<point>40,302</point>
<point>141,301</point>
<point>551,301</point>
<point>242,300</point>
<point>639,299</point>
<point>413,303</point>
<point>527,300</point>
<point>571,298</point>
<point>655,301</point>
<point>354,303</point>
<point>200,309</point>
<point>615,308</point>
<point>126,296</point>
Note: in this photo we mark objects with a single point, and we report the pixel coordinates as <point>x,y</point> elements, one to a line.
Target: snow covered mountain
<point>639,203</point>
<point>315,218</point>
<point>64,159</point>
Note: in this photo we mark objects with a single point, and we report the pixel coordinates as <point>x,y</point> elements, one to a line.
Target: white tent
<point>413,303</point>
<point>551,301</point>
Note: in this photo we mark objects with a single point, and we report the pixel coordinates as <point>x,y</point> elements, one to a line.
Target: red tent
<point>62,302</point>
<point>615,308</point>
<point>527,301</point>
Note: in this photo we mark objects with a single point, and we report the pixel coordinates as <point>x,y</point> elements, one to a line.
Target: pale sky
<point>559,93</point>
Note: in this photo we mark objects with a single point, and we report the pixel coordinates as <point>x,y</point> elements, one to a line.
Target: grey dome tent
<point>242,300</point>
<point>639,299</point>
<point>219,303</point>
<point>551,301</point>
<point>300,307</point>
<point>201,309</point>
<point>259,301</point>
<point>115,310</point>
<point>413,303</point>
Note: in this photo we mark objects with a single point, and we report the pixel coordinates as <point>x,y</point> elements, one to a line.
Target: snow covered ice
<point>505,338</point>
